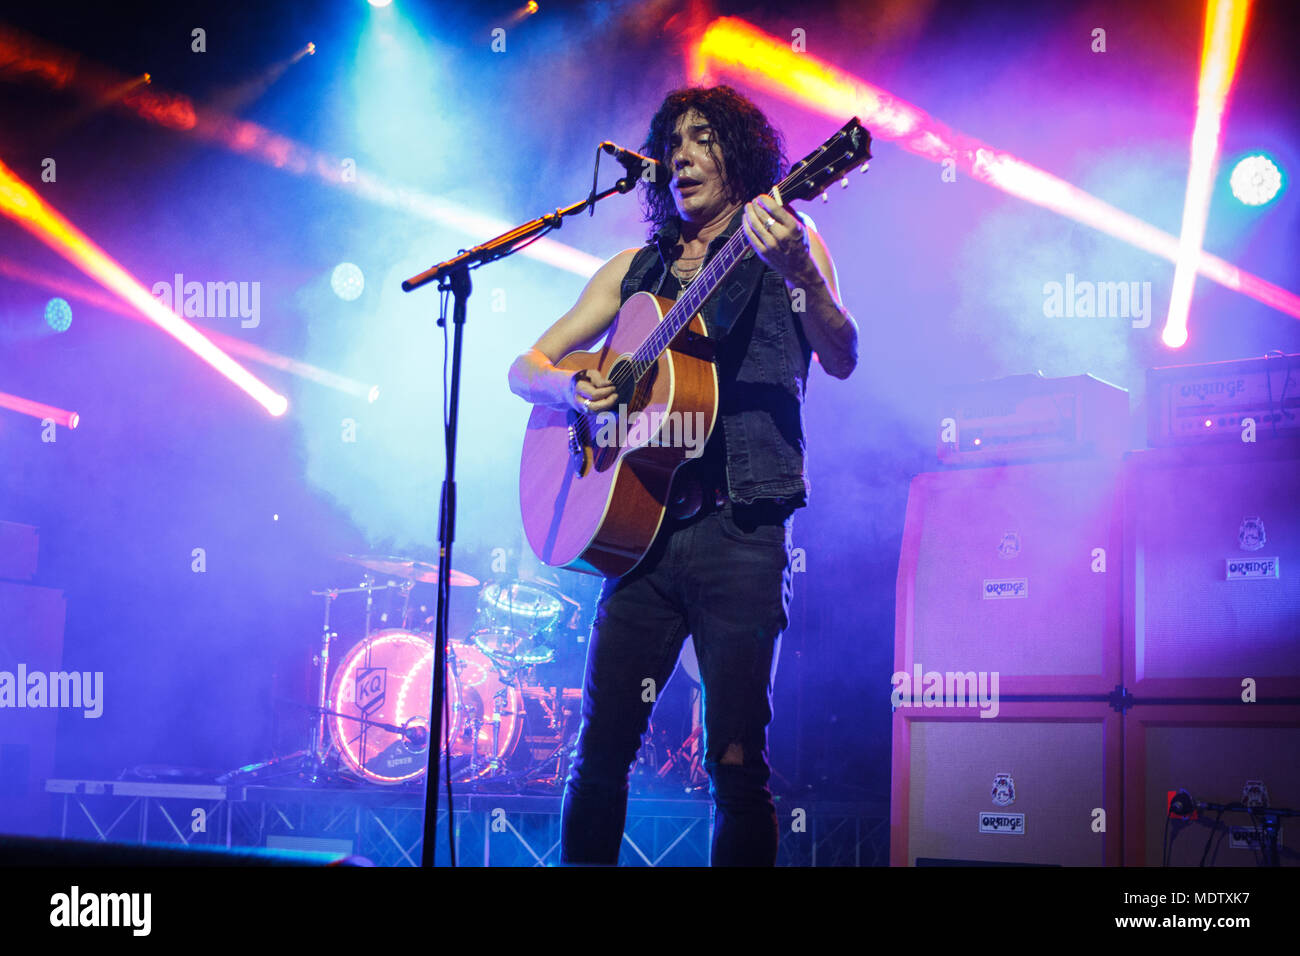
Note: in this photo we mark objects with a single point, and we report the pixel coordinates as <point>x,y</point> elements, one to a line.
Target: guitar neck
<point>692,300</point>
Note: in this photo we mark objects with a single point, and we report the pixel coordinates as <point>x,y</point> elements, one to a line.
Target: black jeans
<point>724,578</point>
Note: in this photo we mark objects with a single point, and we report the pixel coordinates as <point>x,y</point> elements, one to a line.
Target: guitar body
<point>594,488</point>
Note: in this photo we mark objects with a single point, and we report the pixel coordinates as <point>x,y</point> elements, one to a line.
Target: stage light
<point>39,410</point>
<point>239,96</point>
<point>22,204</point>
<point>58,315</point>
<point>380,3</point>
<point>44,63</point>
<point>1225,24</point>
<point>733,46</point>
<point>347,281</point>
<point>1256,180</point>
<point>1174,336</point>
<point>523,13</point>
<point>227,343</point>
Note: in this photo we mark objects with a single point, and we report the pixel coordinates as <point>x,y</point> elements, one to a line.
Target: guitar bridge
<point>578,440</point>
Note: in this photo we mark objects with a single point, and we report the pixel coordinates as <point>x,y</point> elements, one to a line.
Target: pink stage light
<point>1225,24</point>
<point>20,203</point>
<point>733,46</point>
<point>60,416</point>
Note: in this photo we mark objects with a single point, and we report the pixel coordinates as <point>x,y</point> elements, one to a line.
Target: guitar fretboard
<point>690,302</point>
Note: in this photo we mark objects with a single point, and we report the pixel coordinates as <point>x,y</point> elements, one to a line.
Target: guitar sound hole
<point>621,375</point>
<point>633,396</point>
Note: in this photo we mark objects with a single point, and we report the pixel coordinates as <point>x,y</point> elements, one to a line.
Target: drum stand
<point>320,747</point>
<point>315,755</point>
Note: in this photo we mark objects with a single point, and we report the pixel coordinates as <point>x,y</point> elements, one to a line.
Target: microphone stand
<point>453,275</point>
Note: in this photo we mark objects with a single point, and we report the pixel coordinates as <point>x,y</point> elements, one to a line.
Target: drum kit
<point>513,705</point>
<point>508,725</point>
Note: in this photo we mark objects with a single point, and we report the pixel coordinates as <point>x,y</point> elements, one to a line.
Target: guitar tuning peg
<point>825,198</point>
<point>844,183</point>
<point>864,167</point>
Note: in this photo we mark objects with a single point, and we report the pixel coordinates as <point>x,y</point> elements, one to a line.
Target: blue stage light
<point>347,281</point>
<point>58,315</point>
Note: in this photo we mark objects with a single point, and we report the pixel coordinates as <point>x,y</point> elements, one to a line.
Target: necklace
<point>685,280</point>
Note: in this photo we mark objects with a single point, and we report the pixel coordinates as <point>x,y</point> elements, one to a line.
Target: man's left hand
<point>779,238</point>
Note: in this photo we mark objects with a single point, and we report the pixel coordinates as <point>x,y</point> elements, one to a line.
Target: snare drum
<point>517,622</point>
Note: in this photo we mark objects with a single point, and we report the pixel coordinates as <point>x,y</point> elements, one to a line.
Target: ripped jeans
<point>723,577</point>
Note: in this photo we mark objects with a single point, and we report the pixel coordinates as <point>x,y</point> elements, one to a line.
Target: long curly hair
<point>753,151</point>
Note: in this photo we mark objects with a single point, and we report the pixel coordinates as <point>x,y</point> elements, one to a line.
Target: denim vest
<point>762,356</point>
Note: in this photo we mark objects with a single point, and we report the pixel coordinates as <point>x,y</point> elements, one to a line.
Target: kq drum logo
<point>1009,547</point>
<point>372,684</point>
<point>1004,790</point>
<point>996,589</point>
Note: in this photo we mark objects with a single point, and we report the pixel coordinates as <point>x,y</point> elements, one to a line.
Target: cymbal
<point>408,568</point>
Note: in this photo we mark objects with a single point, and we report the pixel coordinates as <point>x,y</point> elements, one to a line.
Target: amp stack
<point>1075,635</point>
<point>31,642</point>
<point>1212,616</point>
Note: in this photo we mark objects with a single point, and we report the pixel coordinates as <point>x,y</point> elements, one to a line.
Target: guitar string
<point>682,311</point>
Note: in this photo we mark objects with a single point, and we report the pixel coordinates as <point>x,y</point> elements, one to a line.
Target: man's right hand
<point>590,391</point>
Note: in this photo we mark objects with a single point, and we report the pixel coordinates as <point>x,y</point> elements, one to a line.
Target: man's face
<point>697,184</point>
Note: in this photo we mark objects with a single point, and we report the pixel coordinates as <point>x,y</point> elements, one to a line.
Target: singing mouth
<point>685,184</point>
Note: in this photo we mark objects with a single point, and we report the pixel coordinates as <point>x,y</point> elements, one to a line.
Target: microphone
<point>415,736</point>
<point>633,162</point>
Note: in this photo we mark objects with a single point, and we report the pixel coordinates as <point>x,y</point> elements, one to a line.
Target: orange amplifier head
<point>1032,418</point>
<point>1239,401</point>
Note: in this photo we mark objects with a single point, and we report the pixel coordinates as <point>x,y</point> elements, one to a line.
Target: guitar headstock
<point>812,175</point>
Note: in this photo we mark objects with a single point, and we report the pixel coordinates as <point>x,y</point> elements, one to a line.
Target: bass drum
<point>387,679</point>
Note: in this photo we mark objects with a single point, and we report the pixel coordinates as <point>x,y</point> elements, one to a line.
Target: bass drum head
<point>386,679</point>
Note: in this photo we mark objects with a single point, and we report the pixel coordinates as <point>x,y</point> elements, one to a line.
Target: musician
<point>720,568</point>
